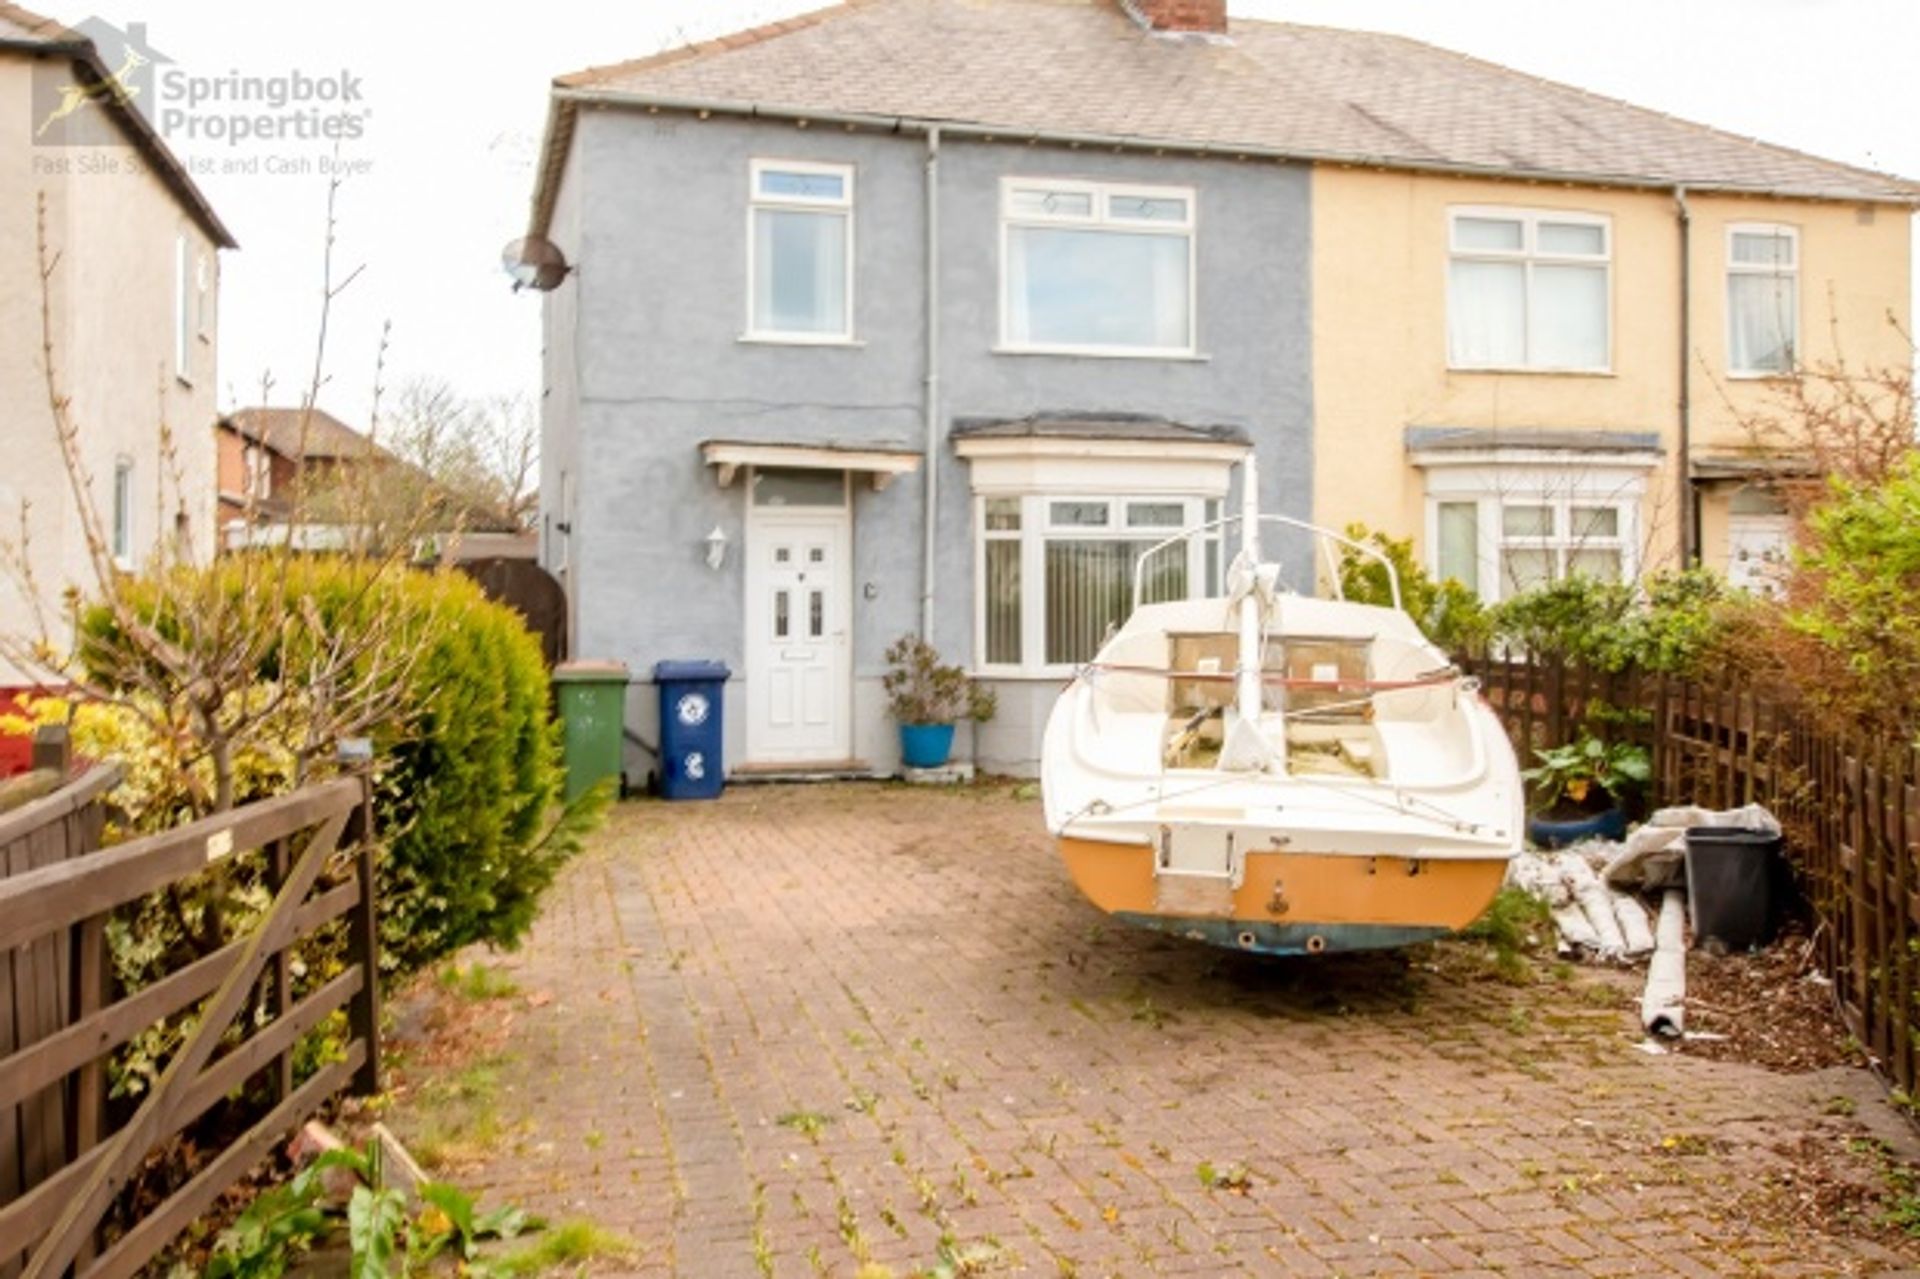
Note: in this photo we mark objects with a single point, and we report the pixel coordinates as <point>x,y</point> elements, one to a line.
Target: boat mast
<point>1247,672</point>
<point>1246,749</point>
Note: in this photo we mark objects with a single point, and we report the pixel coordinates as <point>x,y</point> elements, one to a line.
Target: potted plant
<point>927,699</point>
<point>1582,786</point>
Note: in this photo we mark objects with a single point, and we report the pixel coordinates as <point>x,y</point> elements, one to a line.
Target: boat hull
<point>1296,903</point>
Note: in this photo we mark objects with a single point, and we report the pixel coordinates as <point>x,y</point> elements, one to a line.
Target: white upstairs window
<point>800,252</point>
<point>1529,290</point>
<point>1095,268</point>
<point>1763,298</point>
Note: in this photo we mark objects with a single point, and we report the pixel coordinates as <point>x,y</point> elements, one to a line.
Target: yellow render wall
<point>1380,332</point>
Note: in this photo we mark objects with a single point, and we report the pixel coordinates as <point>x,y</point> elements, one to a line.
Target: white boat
<point>1278,773</point>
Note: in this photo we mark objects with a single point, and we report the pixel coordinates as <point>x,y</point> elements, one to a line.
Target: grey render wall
<point>660,291</point>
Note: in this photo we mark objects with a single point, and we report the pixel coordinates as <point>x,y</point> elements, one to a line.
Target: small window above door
<point>776,486</point>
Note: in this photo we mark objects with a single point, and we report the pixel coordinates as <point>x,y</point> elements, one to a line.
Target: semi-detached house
<point>932,314</point>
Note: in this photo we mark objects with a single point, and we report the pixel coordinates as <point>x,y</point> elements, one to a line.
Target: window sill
<point>796,339</point>
<point>1106,353</point>
<point>1762,375</point>
<point>1524,371</point>
<point>1012,674</point>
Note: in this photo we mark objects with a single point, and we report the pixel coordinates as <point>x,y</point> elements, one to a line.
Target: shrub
<point>1451,615</point>
<point>1858,578</point>
<point>922,691</point>
<point>1674,621</point>
<point>467,760</point>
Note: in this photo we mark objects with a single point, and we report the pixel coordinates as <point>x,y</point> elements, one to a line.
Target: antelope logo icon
<point>65,89</point>
<point>114,87</point>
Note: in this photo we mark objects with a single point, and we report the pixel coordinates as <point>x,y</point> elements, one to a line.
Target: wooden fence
<point>47,984</point>
<point>1849,804</point>
<point>53,915</point>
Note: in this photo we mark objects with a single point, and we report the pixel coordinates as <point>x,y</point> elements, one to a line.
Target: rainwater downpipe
<point>930,534</point>
<point>1683,467</point>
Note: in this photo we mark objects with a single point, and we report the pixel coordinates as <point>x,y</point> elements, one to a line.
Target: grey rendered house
<point>787,337</point>
<point>933,315</point>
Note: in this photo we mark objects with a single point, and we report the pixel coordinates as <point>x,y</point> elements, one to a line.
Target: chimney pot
<point>1180,15</point>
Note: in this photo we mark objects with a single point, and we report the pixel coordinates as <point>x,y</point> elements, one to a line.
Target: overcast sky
<point>456,101</point>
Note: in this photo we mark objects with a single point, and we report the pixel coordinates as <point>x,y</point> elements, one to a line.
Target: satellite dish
<point>534,262</point>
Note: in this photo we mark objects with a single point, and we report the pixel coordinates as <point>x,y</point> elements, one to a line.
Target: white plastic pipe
<point>1663,1007</point>
<point>1633,923</point>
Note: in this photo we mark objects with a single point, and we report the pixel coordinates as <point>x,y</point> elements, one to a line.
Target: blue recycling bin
<point>691,700</point>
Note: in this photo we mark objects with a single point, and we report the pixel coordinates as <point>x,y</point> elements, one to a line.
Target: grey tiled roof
<point>1082,67</point>
<point>1095,426</point>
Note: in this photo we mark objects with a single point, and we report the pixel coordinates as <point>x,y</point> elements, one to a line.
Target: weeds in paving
<point>476,982</point>
<point>1511,927</point>
<point>808,1123</point>
<point>571,1243</point>
<point>863,1100</point>
<point>459,1117</point>
<point>762,1246</point>
<point>1840,1105</point>
<point>1234,1177</point>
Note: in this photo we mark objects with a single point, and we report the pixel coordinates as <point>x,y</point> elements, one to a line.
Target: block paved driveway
<point>804,1030</point>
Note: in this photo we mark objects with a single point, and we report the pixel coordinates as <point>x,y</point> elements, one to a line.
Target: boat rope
<point>1430,679</point>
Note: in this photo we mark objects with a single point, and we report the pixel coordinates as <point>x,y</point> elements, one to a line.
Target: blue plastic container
<point>1610,824</point>
<point>925,745</point>
<point>691,745</point>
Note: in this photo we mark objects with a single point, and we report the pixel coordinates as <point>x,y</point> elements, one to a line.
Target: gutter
<point>1689,510</point>
<point>930,531</point>
<point>567,99</point>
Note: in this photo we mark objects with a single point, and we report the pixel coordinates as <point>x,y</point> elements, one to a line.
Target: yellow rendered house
<point>1535,376</point>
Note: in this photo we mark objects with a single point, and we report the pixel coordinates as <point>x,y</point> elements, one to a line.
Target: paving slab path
<point>806,1030</point>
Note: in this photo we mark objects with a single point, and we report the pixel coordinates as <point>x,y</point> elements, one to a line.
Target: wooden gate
<point>47,906</point>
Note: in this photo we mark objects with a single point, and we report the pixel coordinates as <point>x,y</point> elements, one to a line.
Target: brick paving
<point>804,1030</point>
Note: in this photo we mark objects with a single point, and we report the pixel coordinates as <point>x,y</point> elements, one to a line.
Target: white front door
<point>798,650</point>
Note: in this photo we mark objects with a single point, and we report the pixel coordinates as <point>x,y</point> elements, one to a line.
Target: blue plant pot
<point>1611,824</point>
<point>925,745</point>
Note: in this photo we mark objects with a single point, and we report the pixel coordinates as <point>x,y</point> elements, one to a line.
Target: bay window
<point>1501,528</point>
<point>1763,298</point>
<point>1096,268</point>
<point>1528,290</point>
<point>800,252</point>
<point>1056,571</point>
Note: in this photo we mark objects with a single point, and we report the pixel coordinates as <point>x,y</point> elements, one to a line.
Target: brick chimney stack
<point>1208,16</point>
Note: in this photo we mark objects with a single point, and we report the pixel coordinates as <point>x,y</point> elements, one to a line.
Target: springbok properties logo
<point>215,123</point>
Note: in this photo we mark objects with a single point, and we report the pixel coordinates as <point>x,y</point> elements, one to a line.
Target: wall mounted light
<point>716,548</point>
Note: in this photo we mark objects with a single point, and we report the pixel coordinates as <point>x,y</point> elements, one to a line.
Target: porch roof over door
<point>880,464</point>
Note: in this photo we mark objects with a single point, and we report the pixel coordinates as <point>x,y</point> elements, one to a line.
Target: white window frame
<point>1037,530</point>
<point>804,204</point>
<point>183,308</point>
<point>1101,196</point>
<point>1560,486</point>
<point>1529,255</point>
<point>121,530</point>
<point>1791,234</point>
<point>202,289</point>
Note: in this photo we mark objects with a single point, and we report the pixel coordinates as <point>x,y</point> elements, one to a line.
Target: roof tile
<point>1081,66</point>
